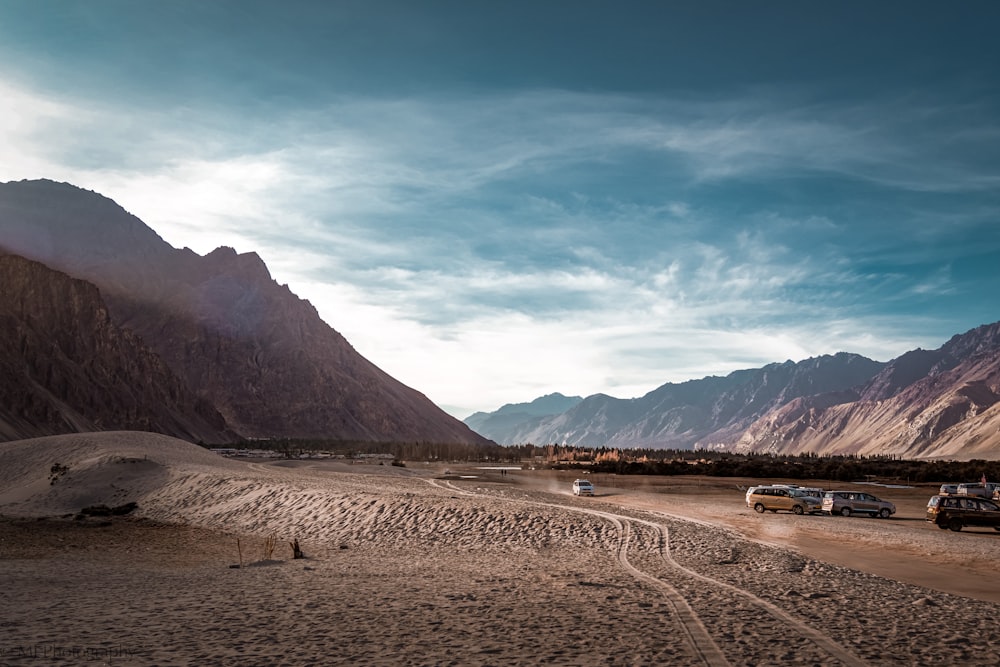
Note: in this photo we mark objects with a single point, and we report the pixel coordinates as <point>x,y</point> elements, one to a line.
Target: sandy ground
<point>905,547</point>
<point>413,566</point>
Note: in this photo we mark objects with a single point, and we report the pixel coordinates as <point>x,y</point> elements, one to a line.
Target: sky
<point>496,201</point>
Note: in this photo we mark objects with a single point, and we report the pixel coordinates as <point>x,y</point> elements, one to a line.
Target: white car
<point>583,487</point>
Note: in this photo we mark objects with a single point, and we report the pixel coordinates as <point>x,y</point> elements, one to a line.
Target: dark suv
<point>957,512</point>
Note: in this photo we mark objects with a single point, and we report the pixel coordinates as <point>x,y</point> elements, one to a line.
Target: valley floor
<point>413,566</point>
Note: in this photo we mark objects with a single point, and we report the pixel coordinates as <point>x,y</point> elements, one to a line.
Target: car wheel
<point>955,524</point>
<point>759,508</point>
<point>845,511</point>
<point>797,509</point>
<point>884,513</point>
<point>943,526</point>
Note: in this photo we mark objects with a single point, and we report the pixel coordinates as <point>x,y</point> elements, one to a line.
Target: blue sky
<point>495,201</point>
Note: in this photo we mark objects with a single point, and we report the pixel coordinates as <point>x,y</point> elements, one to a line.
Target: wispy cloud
<point>591,242</point>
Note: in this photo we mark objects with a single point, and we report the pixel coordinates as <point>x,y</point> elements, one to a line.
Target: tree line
<point>641,461</point>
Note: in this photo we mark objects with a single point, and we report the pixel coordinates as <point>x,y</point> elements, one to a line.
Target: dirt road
<point>905,547</point>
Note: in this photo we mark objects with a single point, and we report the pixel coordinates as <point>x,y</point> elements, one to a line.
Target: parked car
<point>813,491</point>
<point>774,498</point>
<point>751,489</point>
<point>583,487</point>
<point>974,489</point>
<point>846,503</point>
<point>956,512</point>
<point>948,489</point>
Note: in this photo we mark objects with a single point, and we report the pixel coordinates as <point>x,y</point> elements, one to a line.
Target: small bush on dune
<point>104,510</point>
<point>56,471</point>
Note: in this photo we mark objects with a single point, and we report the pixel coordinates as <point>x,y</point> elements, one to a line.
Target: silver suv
<point>846,503</point>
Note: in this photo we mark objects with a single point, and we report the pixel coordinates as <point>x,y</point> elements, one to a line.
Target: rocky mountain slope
<point>924,404</point>
<point>243,343</point>
<point>691,414</point>
<point>66,367</point>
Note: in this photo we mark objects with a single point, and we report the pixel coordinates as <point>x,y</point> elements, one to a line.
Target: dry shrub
<point>270,542</point>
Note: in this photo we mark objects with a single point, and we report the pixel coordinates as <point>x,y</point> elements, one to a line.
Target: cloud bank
<point>490,247</point>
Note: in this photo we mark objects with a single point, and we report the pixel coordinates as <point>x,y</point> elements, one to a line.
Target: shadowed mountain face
<point>937,403</point>
<point>65,367</point>
<point>243,343</point>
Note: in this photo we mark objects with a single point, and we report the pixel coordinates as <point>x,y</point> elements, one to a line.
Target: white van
<point>583,487</point>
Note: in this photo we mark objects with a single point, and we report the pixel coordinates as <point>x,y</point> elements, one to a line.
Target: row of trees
<point>842,468</point>
<point>405,451</point>
<point>659,461</point>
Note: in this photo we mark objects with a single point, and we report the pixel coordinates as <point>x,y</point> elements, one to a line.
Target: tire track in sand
<point>818,638</point>
<point>695,632</point>
<point>694,629</point>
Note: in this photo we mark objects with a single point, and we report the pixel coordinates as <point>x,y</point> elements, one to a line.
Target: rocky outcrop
<point>248,346</point>
<point>67,367</point>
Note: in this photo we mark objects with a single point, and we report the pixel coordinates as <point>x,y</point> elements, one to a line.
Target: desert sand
<point>420,565</point>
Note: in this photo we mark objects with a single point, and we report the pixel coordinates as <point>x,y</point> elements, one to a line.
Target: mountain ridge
<point>261,355</point>
<point>923,404</point>
<point>950,410</point>
<point>680,415</point>
<point>516,413</point>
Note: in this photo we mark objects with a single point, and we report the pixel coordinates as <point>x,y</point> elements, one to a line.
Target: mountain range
<point>518,415</point>
<point>107,326</point>
<point>942,403</point>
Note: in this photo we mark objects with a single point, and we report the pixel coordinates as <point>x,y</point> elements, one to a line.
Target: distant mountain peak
<point>543,405</point>
<point>516,413</point>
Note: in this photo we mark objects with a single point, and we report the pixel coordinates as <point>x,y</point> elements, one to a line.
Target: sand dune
<point>410,566</point>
